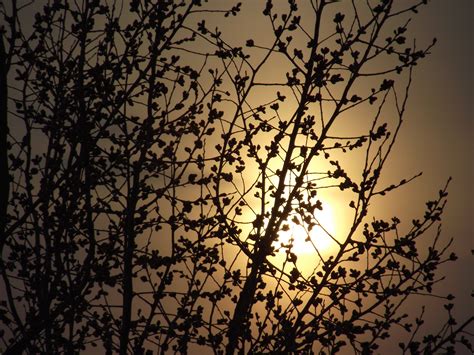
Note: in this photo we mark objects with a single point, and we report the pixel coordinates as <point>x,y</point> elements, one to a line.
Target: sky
<point>436,138</point>
<point>439,133</point>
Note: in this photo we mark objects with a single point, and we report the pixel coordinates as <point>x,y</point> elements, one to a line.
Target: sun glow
<point>319,238</point>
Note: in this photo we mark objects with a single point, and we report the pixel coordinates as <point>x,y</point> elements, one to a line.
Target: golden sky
<point>437,135</point>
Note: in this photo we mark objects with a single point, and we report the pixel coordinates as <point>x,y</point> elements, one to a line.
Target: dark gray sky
<point>438,137</point>
<point>441,131</point>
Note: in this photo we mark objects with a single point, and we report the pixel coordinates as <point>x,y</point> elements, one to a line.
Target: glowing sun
<point>320,237</point>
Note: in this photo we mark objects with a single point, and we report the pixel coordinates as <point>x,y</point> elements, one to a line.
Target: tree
<point>157,177</point>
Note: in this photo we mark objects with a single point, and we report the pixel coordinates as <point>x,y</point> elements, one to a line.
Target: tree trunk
<point>4,175</point>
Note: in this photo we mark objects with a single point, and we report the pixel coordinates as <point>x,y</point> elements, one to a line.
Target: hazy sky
<point>439,132</point>
<point>437,136</point>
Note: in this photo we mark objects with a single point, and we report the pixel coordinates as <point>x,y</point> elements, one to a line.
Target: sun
<point>319,239</point>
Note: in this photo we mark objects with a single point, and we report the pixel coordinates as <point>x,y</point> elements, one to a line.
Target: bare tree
<point>159,185</point>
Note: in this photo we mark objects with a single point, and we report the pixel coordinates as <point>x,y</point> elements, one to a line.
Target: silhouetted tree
<point>151,169</point>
